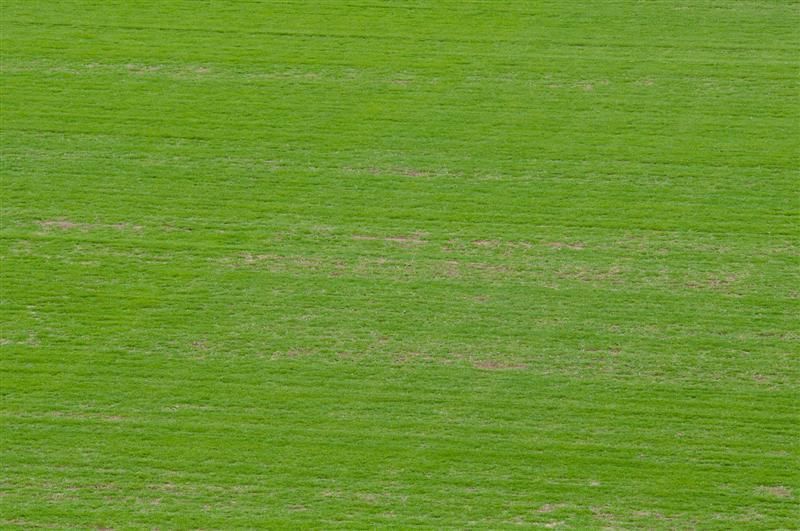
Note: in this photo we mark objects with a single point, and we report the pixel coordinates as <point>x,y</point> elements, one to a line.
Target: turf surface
<point>359,264</point>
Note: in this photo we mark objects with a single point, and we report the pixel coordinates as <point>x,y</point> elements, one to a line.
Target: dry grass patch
<point>65,224</point>
<point>575,246</point>
<point>498,365</point>
<point>775,491</point>
<point>87,416</point>
<point>587,274</point>
<point>486,243</point>
<point>62,224</point>
<point>714,282</point>
<point>413,239</point>
<point>550,507</point>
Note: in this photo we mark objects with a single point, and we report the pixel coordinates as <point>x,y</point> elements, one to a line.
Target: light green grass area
<point>451,264</point>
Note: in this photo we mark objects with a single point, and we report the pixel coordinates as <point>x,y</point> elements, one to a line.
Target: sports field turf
<point>466,264</point>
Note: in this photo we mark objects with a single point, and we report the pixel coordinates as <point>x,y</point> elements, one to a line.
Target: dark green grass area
<point>360,264</point>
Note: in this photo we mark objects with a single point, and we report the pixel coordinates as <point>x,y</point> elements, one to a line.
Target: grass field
<point>452,264</point>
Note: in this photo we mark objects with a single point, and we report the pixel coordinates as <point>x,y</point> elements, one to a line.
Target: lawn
<point>449,264</point>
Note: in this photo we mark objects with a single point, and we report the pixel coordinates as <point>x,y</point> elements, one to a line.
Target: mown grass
<point>447,264</point>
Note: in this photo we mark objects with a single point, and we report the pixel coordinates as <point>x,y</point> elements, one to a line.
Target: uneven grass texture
<point>461,264</point>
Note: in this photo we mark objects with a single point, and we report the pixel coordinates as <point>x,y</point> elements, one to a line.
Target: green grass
<point>446,264</point>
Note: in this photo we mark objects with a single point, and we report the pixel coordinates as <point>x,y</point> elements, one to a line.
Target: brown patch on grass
<point>276,262</point>
<point>649,514</point>
<point>27,524</point>
<point>776,491</point>
<point>575,246</point>
<point>550,507</point>
<point>486,243</point>
<point>62,224</point>
<point>292,354</point>
<point>142,69</point>
<point>127,226</point>
<point>411,172</point>
<point>297,508</point>
<point>498,365</point>
<point>65,224</point>
<point>586,274</point>
<point>451,269</point>
<point>404,239</point>
<point>714,282</point>
<point>169,487</point>
<point>405,171</point>
<point>200,344</point>
<point>491,268</point>
<point>249,258</point>
<point>414,239</point>
<point>87,416</point>
<point>412,357</point>
<point>602,514</point>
